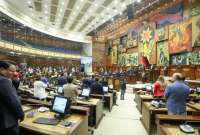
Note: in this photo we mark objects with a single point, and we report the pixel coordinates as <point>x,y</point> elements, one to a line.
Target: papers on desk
<point>26,108</point>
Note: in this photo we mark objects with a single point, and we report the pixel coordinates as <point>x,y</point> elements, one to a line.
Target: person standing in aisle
<point>10,106</point>
<point>123,88</point>
<point>176,95</point>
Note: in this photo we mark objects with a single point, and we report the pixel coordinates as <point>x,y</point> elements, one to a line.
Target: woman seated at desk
<point>159,87</point>
<point>39,88</point>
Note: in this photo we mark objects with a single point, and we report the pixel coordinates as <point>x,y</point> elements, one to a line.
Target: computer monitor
<point>149,89</point>
<point>60,90</point>
<point>198,90</point>
<point>85,92</point>
<point>105,89</point>
<point>61,105</point>
<point>111,86</point>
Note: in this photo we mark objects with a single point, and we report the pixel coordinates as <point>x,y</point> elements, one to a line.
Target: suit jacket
<point>97,88</point>
<point>176,95</point>
<point>61,81</point>
<point>70,90</point>
<point>10,106</point>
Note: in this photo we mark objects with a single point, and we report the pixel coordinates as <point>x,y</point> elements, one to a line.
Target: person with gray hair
<point>176,96</point>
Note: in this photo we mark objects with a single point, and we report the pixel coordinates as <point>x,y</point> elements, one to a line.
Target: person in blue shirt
<point>123,88</point>
<point>62,80</point>
<point>44,79</point>
<point>176,96</point>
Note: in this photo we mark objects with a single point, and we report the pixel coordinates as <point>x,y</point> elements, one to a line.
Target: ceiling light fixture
<point>29,2</point>
<point>45,6</point>
<point>138,1</point>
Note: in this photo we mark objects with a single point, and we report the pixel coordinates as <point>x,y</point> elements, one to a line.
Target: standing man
<point>10,106</point>
<point>123,89</point>
<point>176,95</point>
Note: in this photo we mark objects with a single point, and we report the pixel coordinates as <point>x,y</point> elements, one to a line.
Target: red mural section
<point>180,37</point>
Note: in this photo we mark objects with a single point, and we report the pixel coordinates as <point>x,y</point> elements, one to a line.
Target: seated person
<point>44,79</point>
<point>159,87</point>
<point>70,90</point>
<point>39,88</point>
<point>103,82</point>
<point>96,87</point>
<point>61,80</point>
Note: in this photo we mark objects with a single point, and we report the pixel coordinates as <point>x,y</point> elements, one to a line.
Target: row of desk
<point>79,126</point>
<point>90,111</point>
<point>150,115</point>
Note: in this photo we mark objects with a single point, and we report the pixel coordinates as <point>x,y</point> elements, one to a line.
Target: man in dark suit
<point>10,106</point>
<point>61,80</point>
<point>96,87</point>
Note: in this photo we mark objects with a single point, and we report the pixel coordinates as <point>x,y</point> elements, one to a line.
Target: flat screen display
<point>148,87</point>
<point>85,92</point>
<point>105,89</point>
<point>198,89</point>
<point>60,90</point>
<point>86,60</point>
<point>59,105</point>
<point>111,86</point>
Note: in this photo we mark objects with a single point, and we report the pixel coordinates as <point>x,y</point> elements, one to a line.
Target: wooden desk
<point>141,99</point>
<point>26,108</point>
<point>96,110</point>
<point>148,115</point>
<point>80,126</point>
<point>171,121</point>
<point>35,102</point>
<point>108,97</point>
<point>172,130</point>
<point>137,87</point>
<point>195,106</point>
<point>193,83</point>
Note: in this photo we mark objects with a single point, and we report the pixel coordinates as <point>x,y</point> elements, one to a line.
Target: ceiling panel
<point>71,16</point>
<point>71,4</point>
<point>86,7</point>
<point>38,6</point>
<point>107,2</point>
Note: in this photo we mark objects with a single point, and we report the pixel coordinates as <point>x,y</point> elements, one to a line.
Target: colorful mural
<point>162,33</point>
<point>196,31</point>
<point>194,11</point>
<point>194,58</point>
<point>132,59</point>
<point>180,37</point>
<point>179,59</point>
<point>114,55</point>
<point>169,16</point>
<point>122,59</point>
<point>132,39</point>
<point>148,43</point>
<point>162,53</point>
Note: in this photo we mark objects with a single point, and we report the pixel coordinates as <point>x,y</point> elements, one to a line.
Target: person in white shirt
<point>39,88</point>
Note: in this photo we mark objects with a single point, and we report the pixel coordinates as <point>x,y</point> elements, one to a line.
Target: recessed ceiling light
<point>63,3</point>
<point>138,0</point>
<point>77,7</point>
<point>95,5</point>
<point>45,6</point>
<point>73,13</point>
<point>29,2</point>
<point>123,5</point>
<point>46,12</point>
